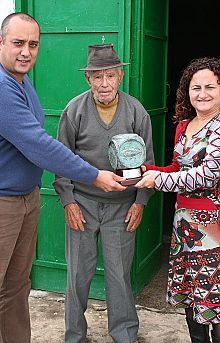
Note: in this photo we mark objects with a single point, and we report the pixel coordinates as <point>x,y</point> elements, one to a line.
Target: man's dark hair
<point>21,15</point>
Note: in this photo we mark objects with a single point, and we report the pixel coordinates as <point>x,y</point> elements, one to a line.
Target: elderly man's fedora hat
<point>102,56</point>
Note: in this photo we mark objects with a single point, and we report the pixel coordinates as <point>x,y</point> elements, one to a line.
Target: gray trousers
<point>117,251</point>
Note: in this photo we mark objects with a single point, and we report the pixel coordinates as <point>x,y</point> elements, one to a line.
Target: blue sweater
<point>25,147</point>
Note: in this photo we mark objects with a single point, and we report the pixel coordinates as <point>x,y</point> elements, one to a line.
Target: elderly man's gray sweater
<point>83,131</point>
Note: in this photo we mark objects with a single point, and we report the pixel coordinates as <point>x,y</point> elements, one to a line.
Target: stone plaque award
<point>127,152</point>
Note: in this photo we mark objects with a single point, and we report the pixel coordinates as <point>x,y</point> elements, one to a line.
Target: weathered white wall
<point>6,7</point>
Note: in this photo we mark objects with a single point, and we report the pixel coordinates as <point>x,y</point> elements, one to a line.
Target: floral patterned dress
<point>194,273</point>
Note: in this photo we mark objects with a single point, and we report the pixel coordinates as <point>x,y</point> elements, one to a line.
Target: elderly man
<point>87,125</point>
<point>25,150</point>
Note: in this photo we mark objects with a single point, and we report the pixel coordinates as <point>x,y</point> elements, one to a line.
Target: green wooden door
<point>67,28</point>
<point>149,36</point>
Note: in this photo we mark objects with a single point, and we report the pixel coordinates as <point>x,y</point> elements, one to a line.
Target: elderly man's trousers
<point>108,220</point>
<point>18,232</point>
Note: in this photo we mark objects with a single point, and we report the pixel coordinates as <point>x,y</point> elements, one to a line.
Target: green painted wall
<point>138,29</point>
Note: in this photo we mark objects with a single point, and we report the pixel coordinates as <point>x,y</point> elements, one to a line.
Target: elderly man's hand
<point>134,216</point>
<point>108,181</point>
<point>74,217</point>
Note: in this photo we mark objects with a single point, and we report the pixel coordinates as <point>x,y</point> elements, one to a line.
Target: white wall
<point>6,7</point>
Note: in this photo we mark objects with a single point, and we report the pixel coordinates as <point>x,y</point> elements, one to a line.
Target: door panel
<point>148,83</point>
<point>66,32</point>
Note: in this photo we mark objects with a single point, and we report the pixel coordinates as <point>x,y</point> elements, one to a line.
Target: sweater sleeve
<point>204,176</point>
<point>66,134</point>
<point>20,127</point>
<point>174,166</point>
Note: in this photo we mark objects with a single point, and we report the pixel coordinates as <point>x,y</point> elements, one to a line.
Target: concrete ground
<point>159,322</point>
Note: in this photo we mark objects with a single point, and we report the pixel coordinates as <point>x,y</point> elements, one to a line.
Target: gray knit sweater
<point>83,131</point>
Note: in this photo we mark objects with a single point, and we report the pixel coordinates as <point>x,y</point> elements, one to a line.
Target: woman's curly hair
<point>183,107</point>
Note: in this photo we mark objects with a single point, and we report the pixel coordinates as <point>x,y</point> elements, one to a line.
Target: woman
<point>194,274</point>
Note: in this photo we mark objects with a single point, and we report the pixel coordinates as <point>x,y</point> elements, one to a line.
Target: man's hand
<point>74,217</point>
<point>134,216</point>
<point>108,181</point>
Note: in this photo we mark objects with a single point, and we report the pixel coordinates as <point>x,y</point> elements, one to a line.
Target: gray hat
<point>102,56</point>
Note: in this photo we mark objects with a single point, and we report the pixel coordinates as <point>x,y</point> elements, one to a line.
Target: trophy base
<point>132,176</point>
<point>130,182</point>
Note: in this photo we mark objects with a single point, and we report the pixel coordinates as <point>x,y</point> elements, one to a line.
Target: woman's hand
<point>143,168</point>
<point>148,179</point>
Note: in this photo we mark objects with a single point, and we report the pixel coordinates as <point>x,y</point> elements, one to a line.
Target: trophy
<point>127,152</point>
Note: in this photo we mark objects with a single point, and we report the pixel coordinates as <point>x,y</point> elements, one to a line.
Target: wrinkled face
<point>105,83</point>
<point>204,92</point>
<point>19,48</point>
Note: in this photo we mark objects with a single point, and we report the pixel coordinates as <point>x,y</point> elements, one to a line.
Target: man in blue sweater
<point>25,150</point>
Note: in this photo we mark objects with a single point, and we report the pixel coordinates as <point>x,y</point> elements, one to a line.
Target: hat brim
<point>96,68</point>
